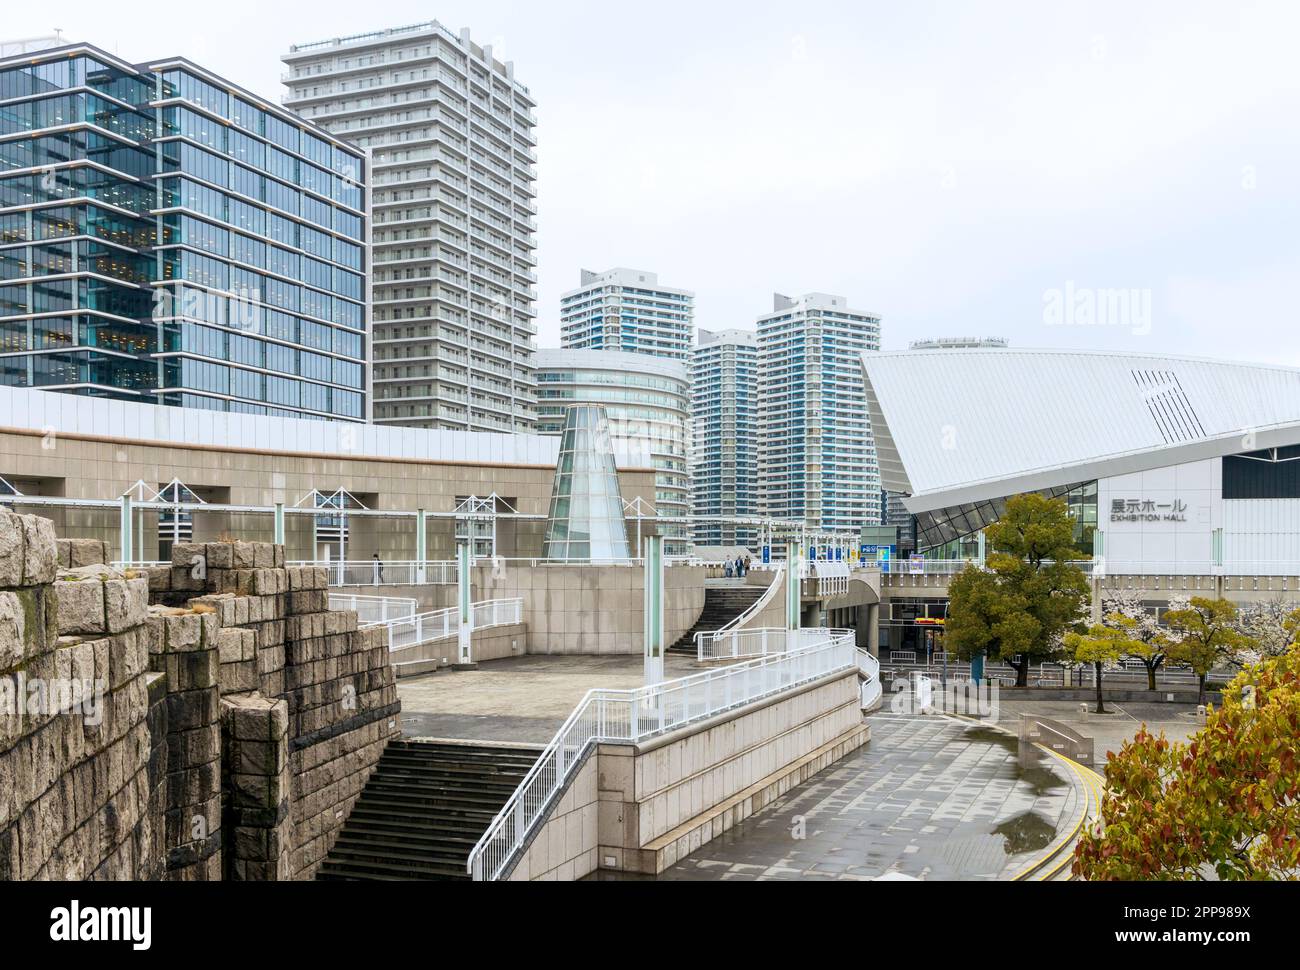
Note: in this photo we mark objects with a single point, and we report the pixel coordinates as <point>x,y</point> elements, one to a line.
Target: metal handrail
<point>373,610</point>
<point>440,624</point>
<point>632,716</point>
<point>738,622</point>
<point>869,668</point>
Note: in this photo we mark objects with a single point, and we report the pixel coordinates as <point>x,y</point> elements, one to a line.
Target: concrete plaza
<point>926,798</point>
<point>523,699</point>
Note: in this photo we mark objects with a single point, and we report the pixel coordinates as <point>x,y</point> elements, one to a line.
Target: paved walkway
<point>1109,732</point>
<point>523,699</point>
<point>926,798</point>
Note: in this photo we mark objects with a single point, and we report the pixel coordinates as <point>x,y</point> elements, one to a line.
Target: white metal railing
<point>869,668</point>
<point>632,716</point>
<point>497,613</point>
<point>411,631</point>
<point>380,573</point>
<point>372,610</point>
<point>950,567</point>
<point>755,609</point>
<point>1125,675</point>
<point>832,578</point>
<point>759,642</point>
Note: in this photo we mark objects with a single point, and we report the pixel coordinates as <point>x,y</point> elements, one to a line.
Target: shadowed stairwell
<point>722,604</point>
<point>423,809</point>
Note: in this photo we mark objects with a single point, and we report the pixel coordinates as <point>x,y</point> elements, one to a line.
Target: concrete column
<point>793,557</point>
<point>421,544</point>
<point>464,602</point>
<point>127,521</point>
<point>1096,593</point>
<point>873,629</point>
<point>863,622</point>
<point>982,550</point>
<point>653,635</point>
<point>279,524</point>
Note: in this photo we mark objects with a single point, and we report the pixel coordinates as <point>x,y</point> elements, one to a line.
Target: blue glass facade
<point>167,236</point>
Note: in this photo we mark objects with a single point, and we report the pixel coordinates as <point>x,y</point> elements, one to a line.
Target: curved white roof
<point>955,426</point>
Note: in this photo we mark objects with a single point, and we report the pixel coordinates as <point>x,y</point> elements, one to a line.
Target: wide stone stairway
<point>423,810</point>
<point>723,602</point>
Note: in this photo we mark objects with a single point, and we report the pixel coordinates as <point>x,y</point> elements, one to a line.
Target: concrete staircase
<point>423,809</point>
<point>722,604</point>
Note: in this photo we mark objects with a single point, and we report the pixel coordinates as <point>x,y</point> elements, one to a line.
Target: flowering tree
<point>1146,640</point>
<point>1209,635</point>
<point>1272,625</point>
<point>1225,805</point>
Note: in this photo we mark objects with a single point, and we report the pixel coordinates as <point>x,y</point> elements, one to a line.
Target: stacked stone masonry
<point>209,719</point>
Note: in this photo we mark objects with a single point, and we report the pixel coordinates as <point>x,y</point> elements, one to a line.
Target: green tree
<point>1209,634</point>
<point>1019,608</point>
<point>1224,805</point>
<point>1102,646</point>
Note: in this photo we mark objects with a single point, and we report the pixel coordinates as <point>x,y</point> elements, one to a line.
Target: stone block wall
<point>183,647</point>
<point>224,729</point>
<point>277,640</point>
<point>82,719</point>
<point>255,741</point>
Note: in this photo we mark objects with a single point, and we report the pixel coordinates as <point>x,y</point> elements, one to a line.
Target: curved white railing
<point>704,641</point>
<point>632,716</point>
<point>421,628</point>
<point>372,610</point>
<point>760,642</point>
<point>869,668</point>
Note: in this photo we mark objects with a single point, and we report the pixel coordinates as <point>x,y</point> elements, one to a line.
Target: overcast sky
<point>962,169</point>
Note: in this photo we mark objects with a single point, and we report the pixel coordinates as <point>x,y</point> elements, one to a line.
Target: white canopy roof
<point>956,426</point>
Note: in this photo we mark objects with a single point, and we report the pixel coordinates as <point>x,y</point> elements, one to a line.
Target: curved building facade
<point>1170,465</point>
<point>647,400</point>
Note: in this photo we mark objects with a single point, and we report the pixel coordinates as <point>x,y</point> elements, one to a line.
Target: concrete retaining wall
<point>592,609</point>
<point>564,848</point>
<point>655,804</point>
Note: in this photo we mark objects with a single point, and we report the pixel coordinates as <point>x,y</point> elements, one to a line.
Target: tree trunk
<point>1022,673</point>
<point>1151,676</point>
<point>1101,704</point>
<point>1200,683</point>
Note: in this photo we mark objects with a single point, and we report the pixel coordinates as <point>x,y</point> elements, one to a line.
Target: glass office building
<point>169,237</point>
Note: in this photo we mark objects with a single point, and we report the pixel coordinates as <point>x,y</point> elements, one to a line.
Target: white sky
<point>946,165</point>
